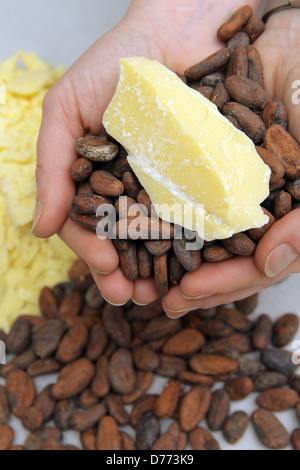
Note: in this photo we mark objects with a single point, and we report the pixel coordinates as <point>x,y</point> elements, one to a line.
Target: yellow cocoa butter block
<point>185,152</point>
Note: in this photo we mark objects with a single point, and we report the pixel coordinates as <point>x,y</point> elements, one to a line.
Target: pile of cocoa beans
<point>103,361</point>
<point>233,79</point>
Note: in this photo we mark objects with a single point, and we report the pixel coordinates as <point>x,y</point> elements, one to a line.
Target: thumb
<point>55,155</point>
<point>278,252</point>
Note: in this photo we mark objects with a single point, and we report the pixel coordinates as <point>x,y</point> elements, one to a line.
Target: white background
<point>59,31</point>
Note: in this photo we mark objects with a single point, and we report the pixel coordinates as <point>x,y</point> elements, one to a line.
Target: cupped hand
<point>176,33</point>
<point>277,254</point>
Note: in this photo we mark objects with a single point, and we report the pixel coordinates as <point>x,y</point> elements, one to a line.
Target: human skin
<point>178,34</point>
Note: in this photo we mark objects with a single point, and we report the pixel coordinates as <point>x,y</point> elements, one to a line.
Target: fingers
<point>98,254</point>
<point>55,155</point>
<point>183,306</point>
<point>144,291</point>
<point>278,251</point>
<point>114,287</point>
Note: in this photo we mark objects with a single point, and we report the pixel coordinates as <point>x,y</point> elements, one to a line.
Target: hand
<point>176,33</point>
<point>277,254</point>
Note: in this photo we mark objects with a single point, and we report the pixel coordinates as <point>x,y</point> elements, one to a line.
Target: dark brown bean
<point>284,329</point>
<point>218,410</point>
<point>269,430</point>
<point>235,426</point>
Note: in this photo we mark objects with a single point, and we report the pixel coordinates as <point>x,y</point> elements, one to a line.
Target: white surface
<point>59,31</point>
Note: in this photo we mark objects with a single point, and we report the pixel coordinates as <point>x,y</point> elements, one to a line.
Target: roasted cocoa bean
<point>73,379</point>
<point>262,332</point>
<point>280,142</point>
<point>238,388</point>
<point>121,373</point>
<point>282,204</point>
<point>265,380</point>
<point>278,399</point>
<point>45,403</point>
<point>275,113</point>
<point>193,408</point>
<point>238,64</point>
<point>108,435</point>
<point>284,329</point>
<point>116,325</point>
<point>81,170</point>
<point>106,184</point>
<point>18,339</point>
<point>239,244</point>
<point>187,341</point>
<point>213,364</point>
<point>218,410</point>
<point>216,252</point>
<point>43,366</point>
<point>254,28</point>
<point>238,39</point>
<point>235,426</point>
<point>145,261</point>
<point>250,122</point>
<point>167,401</point>
<point>21,391</point>
<point>4,406</point>
<point>97,149</point>
<point>127,258</point>
<point>209,65</point>
<point>234,318</point>
<point>269,430</point>
<point>255,66</point>
<point>46,337</point>
<point>100,385</point>
<point>245,91</point>
<point>201,439</point>
<point>235,23</point>
<point>116,409</point>
<point>248,304</point>
<point>131,184</point>
<point>220,96</point>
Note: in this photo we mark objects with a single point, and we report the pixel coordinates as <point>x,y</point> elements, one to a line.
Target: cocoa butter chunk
<point>193,163</point>
<point>95,148</point>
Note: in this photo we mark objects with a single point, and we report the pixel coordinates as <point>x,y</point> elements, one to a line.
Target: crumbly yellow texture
<point>27,263</point>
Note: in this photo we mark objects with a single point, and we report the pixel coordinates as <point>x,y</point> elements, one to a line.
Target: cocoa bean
<point>248,304</point>
<point>220,96</point>
<point>234,318</point>
<point>270,430</point>
<point>193,408</point>
<point>72,344</point>
<point>167,401</point>
<point>35,440</point>
<point>216,252</point>
<point>116,409</point>
<point>116,325</point>
<point>127,258</point>
<point>295,439</point>
<point>205,91</point>
<point>187,341</point>
<point>87,399</point>
<point>278,399</point>
<point>106,184</point>
<point>21,391</point>
<point>213,364</point>
<point>22,361</point>
<point>238,64</point>
<point>265,380</point>
<point>46,337</point>
<point>218,410</point>
<point>88,439</point>
<point>201,439</point>
<point>285,329</point>
<point>214,328</point>
<point>280,142</point>
<point>275,113</point>
<point>207,66</point>
<point>235,23</point>
<point>212,79</point>
<point>239,388</point>
<point>143,404</point>
<point>239,244</point>
<point>278,360</point>
<point>131,184</point>
<point>145,359</point>
<point>121,373</point>
<point>45,403</point>
<point>97,149</point>
<point>255,66</point>
<point>71,305</point>
<point>87,204</point>
<point>282,204</point>
<point>250,123</point>
<point>165,442</point>
<point>262,333</point>
<point>238,39</point>
<point>97,342</point>
<point>81,170</point>
<point>159,327</point>
<point>175,270</point>
<point>293,188</point>
<point>108,435</point>
<point>100,385</point>
<point>189,259</point>
<point>254,28</point>
<point>144,228</point>
<point>4,406</point>
<point>235,426</point>
<point>147,431</point>
<point>73,379</point>
<point>83,420</point>
<point>170,366</point>
<point>63,412</point>
<point>32,418</point>
<point>48,303</point>
<point>19,336</point>
<point>43,366</point>
<point>158,248</point>
<point>245,91</point>
<point>6,436</point>
<point>145,261</point>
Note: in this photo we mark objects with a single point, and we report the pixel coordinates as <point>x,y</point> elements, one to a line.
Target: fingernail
<point>37,215</point>
<point>279,259</point>
<point>137,303</point>
<point>197,298</point>
<point>113,304</point>
<point>96,271</point>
